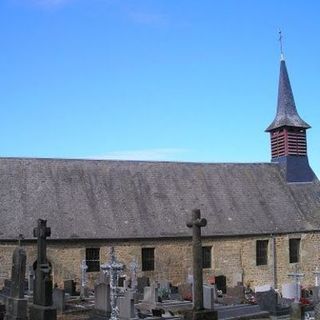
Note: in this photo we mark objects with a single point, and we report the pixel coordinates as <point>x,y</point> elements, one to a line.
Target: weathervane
<point>281,47</point>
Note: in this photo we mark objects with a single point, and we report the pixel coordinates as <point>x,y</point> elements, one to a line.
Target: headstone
<point>150,294</point>
<point>126,306</point>
<point>221,283</point>
<point>58,297</point>
<point>237,278</point>
<point>141,283</point>
<point>16,307</point>
<point>102,297</point>
<point>84,292</point>
<point>295,311</point>
<point>297,277</point>
<point>196,223</point>
<point>209,296</point>
<point>315,294</point>
<point>69,287</point>
<point>289,290</point>
<point>267,300</point>
<point>133,267</point>
<point>30,280</point>
<point>237,292</point>
<point>42,307</point>
<point>185,291</point>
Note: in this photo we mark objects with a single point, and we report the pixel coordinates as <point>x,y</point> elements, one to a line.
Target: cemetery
<point>119,294</point>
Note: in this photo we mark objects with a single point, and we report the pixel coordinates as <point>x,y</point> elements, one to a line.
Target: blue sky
<point>160,80</point>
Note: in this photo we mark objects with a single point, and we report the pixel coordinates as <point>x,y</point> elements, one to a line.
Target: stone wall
<point>232,257</point>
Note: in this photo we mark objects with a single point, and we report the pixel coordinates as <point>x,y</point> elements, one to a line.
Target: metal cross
<point>114,269</point>
<point>281,44</point>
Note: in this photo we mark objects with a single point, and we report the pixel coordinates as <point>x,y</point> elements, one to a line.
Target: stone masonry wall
<point>233,257</point>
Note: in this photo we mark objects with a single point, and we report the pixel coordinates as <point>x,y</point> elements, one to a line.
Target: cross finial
<point>281,45</point>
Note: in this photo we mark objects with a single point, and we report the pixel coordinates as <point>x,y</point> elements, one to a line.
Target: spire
<point>287,114</point>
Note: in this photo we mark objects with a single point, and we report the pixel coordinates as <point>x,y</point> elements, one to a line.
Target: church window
<point>262,252</point>
<point>93,259</point>
<point>206,257</point>
<point>294,250</point>
<point>147,255</point>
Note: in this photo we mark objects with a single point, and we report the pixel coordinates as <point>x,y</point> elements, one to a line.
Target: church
<point>263,218</point>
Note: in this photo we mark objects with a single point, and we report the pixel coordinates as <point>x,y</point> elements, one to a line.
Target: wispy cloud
<point>148,18</point>
<point>166,154</point>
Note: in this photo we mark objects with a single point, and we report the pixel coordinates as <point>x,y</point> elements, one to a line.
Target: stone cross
<point>42,308</point>
<point>196,224</point>
<point>16,304</point>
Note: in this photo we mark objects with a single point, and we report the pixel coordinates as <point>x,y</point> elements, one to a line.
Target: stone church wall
<point>232,257</point>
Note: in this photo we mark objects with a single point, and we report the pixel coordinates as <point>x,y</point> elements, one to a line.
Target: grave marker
<point>16,307</point>
<point>42,307</point>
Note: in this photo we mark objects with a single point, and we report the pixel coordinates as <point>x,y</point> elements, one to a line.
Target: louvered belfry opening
<point>288,141</point>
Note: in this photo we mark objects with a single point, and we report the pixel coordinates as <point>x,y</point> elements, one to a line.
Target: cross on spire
<point>281,45</point>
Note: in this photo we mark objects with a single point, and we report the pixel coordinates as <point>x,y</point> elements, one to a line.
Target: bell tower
<point>288,132</point>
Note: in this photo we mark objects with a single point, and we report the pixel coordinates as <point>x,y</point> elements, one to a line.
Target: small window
<point>147,255</point>
<point>93,259</point>
<point>206,257</point>
<point>262,252</point>
<point>294,250</point>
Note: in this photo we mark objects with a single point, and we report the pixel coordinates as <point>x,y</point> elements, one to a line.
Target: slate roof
<point>102,199</point>
<point>287,114</point>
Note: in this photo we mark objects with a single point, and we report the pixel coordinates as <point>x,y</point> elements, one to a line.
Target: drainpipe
<point>274,261</point>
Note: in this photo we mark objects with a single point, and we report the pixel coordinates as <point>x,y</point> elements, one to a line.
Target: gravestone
<point>221,283</point>
<point>133,267</point>
<point>209,296</point>
<point>315,294</point>
<point>237,291</point>
<point>42,307</point>
<point>150,294</point>
<point>58,297</point>
<point>289,290</point>
<point>16,306</point>
<point>84,291</point>
<point>126,306</point>
<point>141,283</point>
<point>69,287</point>
<point>196,223</point>
<point>30,280</point>
<point>267,300</point>
<point>102,298</point>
